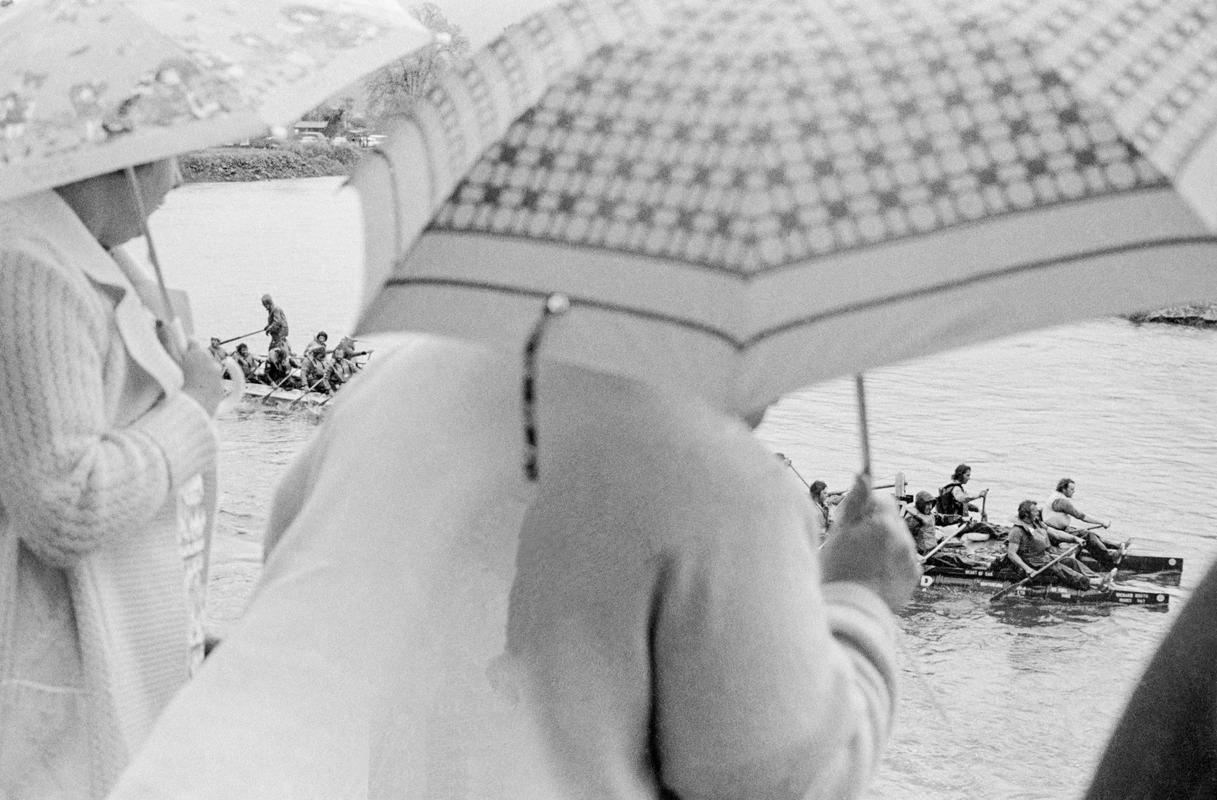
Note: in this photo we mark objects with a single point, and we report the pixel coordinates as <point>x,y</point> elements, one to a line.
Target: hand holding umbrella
<point>871,547</point>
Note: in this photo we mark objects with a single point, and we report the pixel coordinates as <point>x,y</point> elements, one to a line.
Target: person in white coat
<point>648,619</point>
<point>107,441</point>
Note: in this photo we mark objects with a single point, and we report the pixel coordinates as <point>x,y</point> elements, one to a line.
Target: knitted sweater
<point>647,621</point>
<point>97,442</point>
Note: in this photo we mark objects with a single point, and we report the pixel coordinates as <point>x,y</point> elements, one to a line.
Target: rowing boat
<point>280,398</point>
<point>1165,569</point>
<point>975,569</point>
<point>1061,594</point>
<point>1141,564</point>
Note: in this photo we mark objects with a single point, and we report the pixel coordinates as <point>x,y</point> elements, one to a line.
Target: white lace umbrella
<point>745,198</point>
<point>91,86</point>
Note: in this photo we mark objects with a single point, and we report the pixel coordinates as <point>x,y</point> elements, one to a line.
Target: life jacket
<point>1056,519</point>
<point>926,534</point>
<point>946,504</point>
<point>1035,544</point>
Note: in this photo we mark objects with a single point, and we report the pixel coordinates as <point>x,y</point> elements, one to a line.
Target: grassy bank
<point>1197,316</point>
<point>289,160</point>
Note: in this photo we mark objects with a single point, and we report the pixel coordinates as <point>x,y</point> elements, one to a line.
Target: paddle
<point>940,545</point>
<point>790,464</point>
<point>1014,586</point>
<point>266,397</point>
<point>242,336</point>
<point>305,393</point>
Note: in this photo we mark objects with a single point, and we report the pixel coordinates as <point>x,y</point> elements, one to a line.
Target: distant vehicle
<point>375,139</point>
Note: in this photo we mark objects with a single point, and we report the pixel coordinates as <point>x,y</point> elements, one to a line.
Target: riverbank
<point>286,160</point>
<point>1196,316</point>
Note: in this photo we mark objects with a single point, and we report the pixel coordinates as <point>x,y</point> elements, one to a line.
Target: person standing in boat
<point>276,324</point>
<point>1028,548</point>
<point>1060,513</point>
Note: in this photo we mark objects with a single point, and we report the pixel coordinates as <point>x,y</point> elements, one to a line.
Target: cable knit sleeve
<point>69,481</point>
<point>769,684</point>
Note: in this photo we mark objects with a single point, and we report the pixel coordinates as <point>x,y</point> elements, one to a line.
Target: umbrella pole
<point>171,320</point>
<point>863,427</point>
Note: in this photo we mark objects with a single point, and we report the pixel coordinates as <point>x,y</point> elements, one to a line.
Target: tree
<point>392,89</point>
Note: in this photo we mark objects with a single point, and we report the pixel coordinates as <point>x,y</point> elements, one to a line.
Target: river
<point>1011,700</point>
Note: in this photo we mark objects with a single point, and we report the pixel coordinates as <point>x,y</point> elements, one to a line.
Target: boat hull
<point>1060,594</point>
<point>262,394</point>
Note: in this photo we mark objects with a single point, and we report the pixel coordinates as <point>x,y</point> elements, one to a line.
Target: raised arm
<point>770,683</point>
<point>1067,506</point>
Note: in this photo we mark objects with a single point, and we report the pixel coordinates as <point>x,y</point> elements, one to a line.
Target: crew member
<point>956,505</point>
<point>1060,513</point>
<point>276,324</point>
<point>1028,549</point>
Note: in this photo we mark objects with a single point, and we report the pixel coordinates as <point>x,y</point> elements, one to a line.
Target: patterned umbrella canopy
<point>90,86</point>
<point>745,198</point>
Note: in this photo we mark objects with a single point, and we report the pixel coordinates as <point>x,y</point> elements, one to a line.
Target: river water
<point>1125,410</point>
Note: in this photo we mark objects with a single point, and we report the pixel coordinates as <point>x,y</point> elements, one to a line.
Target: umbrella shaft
<point>863,427</point>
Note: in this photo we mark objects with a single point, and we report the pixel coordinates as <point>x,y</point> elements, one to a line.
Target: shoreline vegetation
<point>261,162</point>
<point>1203,315</point>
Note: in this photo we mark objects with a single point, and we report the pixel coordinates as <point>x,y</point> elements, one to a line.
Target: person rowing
<point>217,352</point>
<point>246,361</point>
<point>923,522</point>
<point>277,369</point>
<point>1029,549</point>
<point>955,504</point>
<point>1060,512</point>
<point>342,362</point>
<point>314,369</point>
<point>822,501</point>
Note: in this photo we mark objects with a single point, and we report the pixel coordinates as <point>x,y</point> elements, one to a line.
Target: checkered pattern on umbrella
<point>765,138</point>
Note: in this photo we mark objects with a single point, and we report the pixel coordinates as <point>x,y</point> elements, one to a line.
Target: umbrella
<point>88,87</point>
<point>742,199</point>
<point>91,86</point>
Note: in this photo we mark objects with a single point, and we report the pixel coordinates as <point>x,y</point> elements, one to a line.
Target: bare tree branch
<point>392,90</point>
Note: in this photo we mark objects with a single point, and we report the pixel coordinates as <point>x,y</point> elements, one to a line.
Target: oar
<point>293,403</point>
<point>940,545</point>
<point>790,464</point>
<point>1014,586</point>
<point>266,397</point>
<point>242,336</point>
